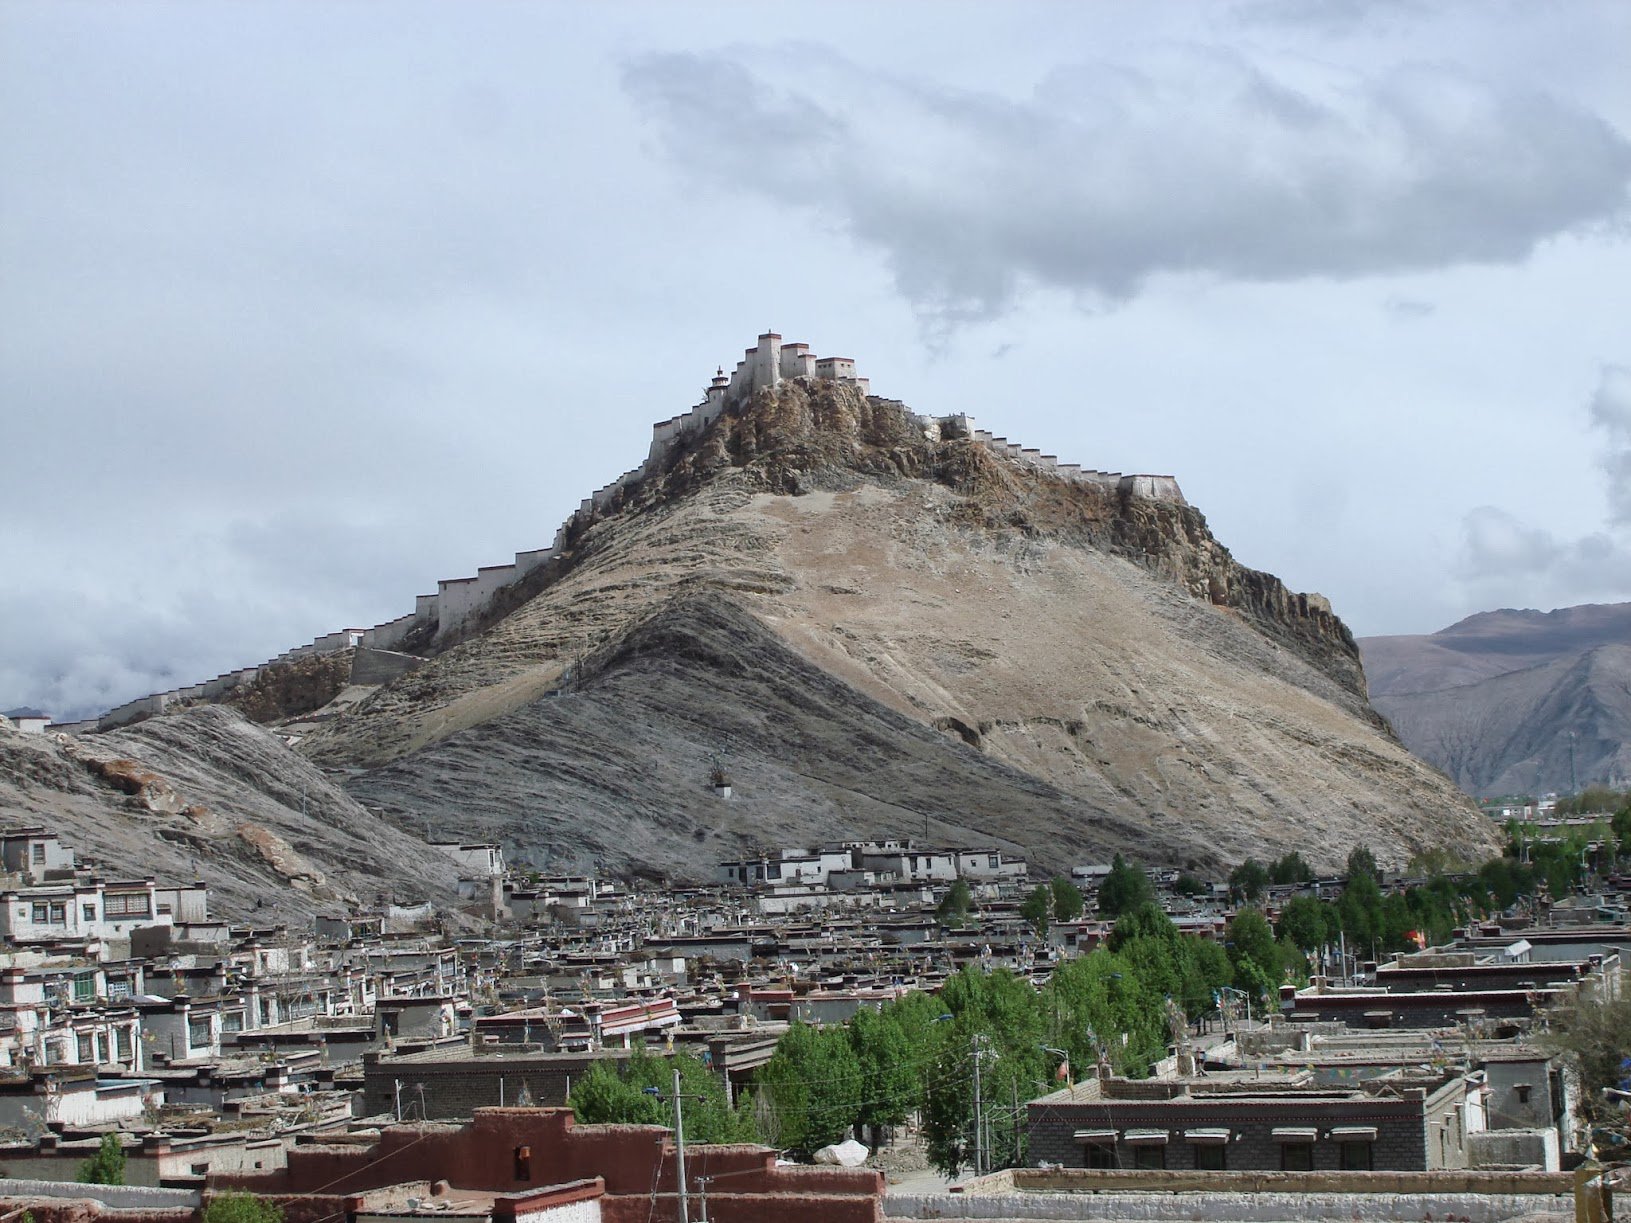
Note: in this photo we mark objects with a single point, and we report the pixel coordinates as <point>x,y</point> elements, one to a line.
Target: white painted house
<point>29,721</point>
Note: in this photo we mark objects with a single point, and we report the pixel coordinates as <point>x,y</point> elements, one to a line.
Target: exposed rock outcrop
<point>205,794</point>
<point>1102,645</point>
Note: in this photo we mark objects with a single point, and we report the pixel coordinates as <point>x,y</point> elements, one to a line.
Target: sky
<point>305,306</point>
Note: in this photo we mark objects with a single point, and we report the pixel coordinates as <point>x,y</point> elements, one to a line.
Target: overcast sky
<point>305,306</point>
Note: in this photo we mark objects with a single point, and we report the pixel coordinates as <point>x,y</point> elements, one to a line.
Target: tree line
<point>1117,1005</point>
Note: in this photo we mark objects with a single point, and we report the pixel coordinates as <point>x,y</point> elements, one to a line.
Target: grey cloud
<point>1501,552</point>
<point>1108,175</point>
<point>1611,411</point>
<point>1408,309</point>
<point>1332,17</point>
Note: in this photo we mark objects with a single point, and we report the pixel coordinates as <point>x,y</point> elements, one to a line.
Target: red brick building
<point>509,1151</point>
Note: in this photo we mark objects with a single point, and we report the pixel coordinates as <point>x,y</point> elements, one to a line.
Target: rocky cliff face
<point>1137,687</point>
<point>205,794</point>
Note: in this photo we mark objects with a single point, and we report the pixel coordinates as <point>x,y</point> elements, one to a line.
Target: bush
<point>107,1166</point>
<point>233,1207</point>
<point>954,907</point>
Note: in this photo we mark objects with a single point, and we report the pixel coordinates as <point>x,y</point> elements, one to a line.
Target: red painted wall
<point>507,1150</point>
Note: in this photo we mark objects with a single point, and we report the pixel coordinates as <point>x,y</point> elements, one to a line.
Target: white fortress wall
<point>384,636</point>
<point>454,602</point>
<point>526,562</point>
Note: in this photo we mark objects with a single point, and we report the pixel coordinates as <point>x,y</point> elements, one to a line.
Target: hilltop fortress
<point>459,601</point>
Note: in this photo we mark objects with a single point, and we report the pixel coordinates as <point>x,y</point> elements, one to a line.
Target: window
<point>1098,1155</point>
<point>41,913</point>
<point>36,852</point>
<point>232,1021</point>
<point>1523,1093</point>
<point>122,1044</point>
<point>84,988</point>
<point>523,1163</point>
<point>198,1033</point>
<point>59,914</point>
<point>86,1051</point>
<point>1356,1156</point>
<point>1296,1157</point>
<point>1151,1156</point>
<point>1211,1157</point>
<point>87,912</point>
<point>126,904</point>
<point>119,989</point>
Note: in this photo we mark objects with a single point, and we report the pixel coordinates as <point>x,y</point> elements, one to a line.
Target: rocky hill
<point>1502,699</point>
<point>205,794</point>
<point>875,627</point>
<point>879,631</point>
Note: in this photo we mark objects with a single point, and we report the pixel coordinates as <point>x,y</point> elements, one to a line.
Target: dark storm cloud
<point>1108,175</point>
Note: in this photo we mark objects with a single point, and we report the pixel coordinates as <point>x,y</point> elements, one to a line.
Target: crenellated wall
<point>459,601</point>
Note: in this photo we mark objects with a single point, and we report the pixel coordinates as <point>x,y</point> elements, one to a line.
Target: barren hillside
<point>206,795</point>
<point>1137,687</point>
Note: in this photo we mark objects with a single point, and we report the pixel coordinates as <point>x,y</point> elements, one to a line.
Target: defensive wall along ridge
<point>458,601</point>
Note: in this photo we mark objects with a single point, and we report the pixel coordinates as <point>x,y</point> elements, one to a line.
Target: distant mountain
<point>1494,699</point>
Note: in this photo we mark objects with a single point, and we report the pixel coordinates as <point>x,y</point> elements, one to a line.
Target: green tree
<point>640,1094</point>
<point>1036,908</point>
<point>1003,1016</point>
<point>1290,868</point>
<point>1067,899</point>
<point>1125,887</point>
<point>1359,912</point>
<point>888,1056</point>
<point>1621,825</point>
<point>954,906</point>
<point>107,1166</point>
<point>813,1082</point>
<point>605,1097</point>
<point>1591,801</point>
<point>1362,862</point>
<point>1249,879</point>
<point>235,1207</point>
<point>1191,886</point>
<point>1307,922</point>
<point>1254,953</point>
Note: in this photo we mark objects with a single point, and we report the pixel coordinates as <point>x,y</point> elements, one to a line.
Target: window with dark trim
<point>1150,1156</point>
<point>1296,1157</point>
<point>1211,1157</point>
<point>1356,1155</point>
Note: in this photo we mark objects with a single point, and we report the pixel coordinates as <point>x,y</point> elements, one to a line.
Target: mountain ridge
<point>875,618</point>
<point>1496,699</point>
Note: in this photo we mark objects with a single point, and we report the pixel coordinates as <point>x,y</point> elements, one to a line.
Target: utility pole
<point>979,1117</point>
<point>1013,1116</point>
<point>679,1144</point>
<point>679,1141</point>
<point>1574,782</point>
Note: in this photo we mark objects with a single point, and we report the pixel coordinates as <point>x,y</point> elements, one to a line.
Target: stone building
<point>1244,1121</point>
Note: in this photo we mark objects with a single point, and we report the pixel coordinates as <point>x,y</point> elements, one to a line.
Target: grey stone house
<point>1250,1121</point>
